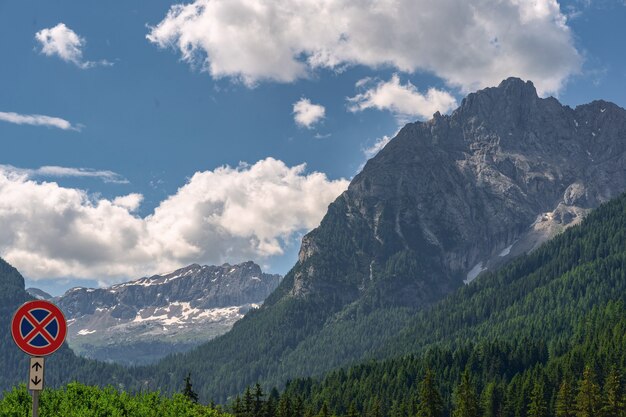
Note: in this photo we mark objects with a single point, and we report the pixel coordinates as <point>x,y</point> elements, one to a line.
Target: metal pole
<point>35,403</point>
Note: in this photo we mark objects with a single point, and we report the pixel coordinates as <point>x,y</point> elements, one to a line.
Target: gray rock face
<point>451,197</point>
<point>38,294</point>
<point>144,320</point>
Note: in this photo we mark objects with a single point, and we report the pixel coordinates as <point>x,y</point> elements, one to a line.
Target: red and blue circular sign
<point>39,328</point>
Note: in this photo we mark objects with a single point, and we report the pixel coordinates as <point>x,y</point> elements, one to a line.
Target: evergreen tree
<point>188,390</point>
<point>284,407</point>
<point>258,404</point>
<point>588,398</point>
<point>298,407</point>
<point>612,399</point>
<point>248,403</point>
<point>271,404</point>
<point>565,406</point>
<point>492,401</point>
<point>352,411</point>
<point>466,401</point>
<point>538,406</point>
<point>376,409</point>
<point>237,407</point>
<point>430,401</point>
<point>324,411</point>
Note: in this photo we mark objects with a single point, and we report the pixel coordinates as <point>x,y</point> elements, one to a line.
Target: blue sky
<point>110,110</point>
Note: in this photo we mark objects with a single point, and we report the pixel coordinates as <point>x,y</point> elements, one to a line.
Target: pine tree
<point>284,407</point>
<point>612,400</point>
<point>430,401</point>
<point>324,411</point>
<point>248,403</point>
<point>588,398</point>
<point>492,400</point>
<point>352,411</point>
<point>466,401</point>
<point>538,406</point>
<point>188,390</point>
<point>397,409</point>
<point>565,406</point>
<point>272,403</point>
<point>258,404</point>
<point>376,410</point>
<point>298,407</point>
<point>237,407</point>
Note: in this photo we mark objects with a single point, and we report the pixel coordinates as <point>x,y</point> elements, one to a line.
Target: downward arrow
<point>36,380</point>
<point>37,366</point>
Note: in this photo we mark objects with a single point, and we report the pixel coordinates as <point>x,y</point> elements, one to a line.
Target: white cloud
<point>322,136</point>
<point>131,202</point>
<point>468,43</point>
<point>402,100</point>
<point>37,120</point>
<point>377,146</point>
<point>51,171</point>
<point>228,214</point>
<point>307,114</point>
<point>66,44</point>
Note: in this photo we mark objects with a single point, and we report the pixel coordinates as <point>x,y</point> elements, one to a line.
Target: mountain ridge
<point>141,321</point>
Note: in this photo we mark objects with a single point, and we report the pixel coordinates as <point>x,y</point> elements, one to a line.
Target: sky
<point>138,137</point>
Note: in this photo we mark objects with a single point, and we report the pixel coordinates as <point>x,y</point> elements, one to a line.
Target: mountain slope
<point>540,319</point>
<point>144,320</point>
<point>443,201</point>
<point>38,294</point>
<point>63,366</point>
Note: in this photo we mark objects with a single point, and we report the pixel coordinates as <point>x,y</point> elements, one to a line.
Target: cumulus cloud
<point>468,43</point>
<point>377,146</point>
<point>60,172</point>
<point>402,100</point>
<point>307,114</point>
<point>131,202</point>
<point>37,120</point>
<point>228,214</point>
<point>63,42</point>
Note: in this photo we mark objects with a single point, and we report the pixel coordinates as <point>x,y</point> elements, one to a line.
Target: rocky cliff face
<point>143,320</point>
<point>38,294</point>
<point>459,194</point>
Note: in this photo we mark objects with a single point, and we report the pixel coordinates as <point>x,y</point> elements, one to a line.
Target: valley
<point>479,256</point>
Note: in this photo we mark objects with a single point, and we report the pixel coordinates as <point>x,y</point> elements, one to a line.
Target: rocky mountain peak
<point>451,197</point>
<point>512,106</point>
<point>38,294</point>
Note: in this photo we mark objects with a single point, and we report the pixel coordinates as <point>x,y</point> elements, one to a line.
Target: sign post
<point>39,329</point>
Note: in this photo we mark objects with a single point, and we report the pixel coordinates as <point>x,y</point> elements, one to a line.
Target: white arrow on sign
<point>35,374</point>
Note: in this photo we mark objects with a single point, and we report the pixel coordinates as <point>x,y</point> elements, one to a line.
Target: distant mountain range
<point>141,321</point>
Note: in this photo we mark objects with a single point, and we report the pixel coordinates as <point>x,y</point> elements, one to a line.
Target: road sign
<point>38,328</point>
<point>35,374</point>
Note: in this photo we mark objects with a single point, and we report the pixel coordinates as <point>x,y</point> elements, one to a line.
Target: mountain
<point>540,320</point>
<point>144,320</point>
<point>61,367</point>
<point>444,201</point>
<point>38,294</point>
